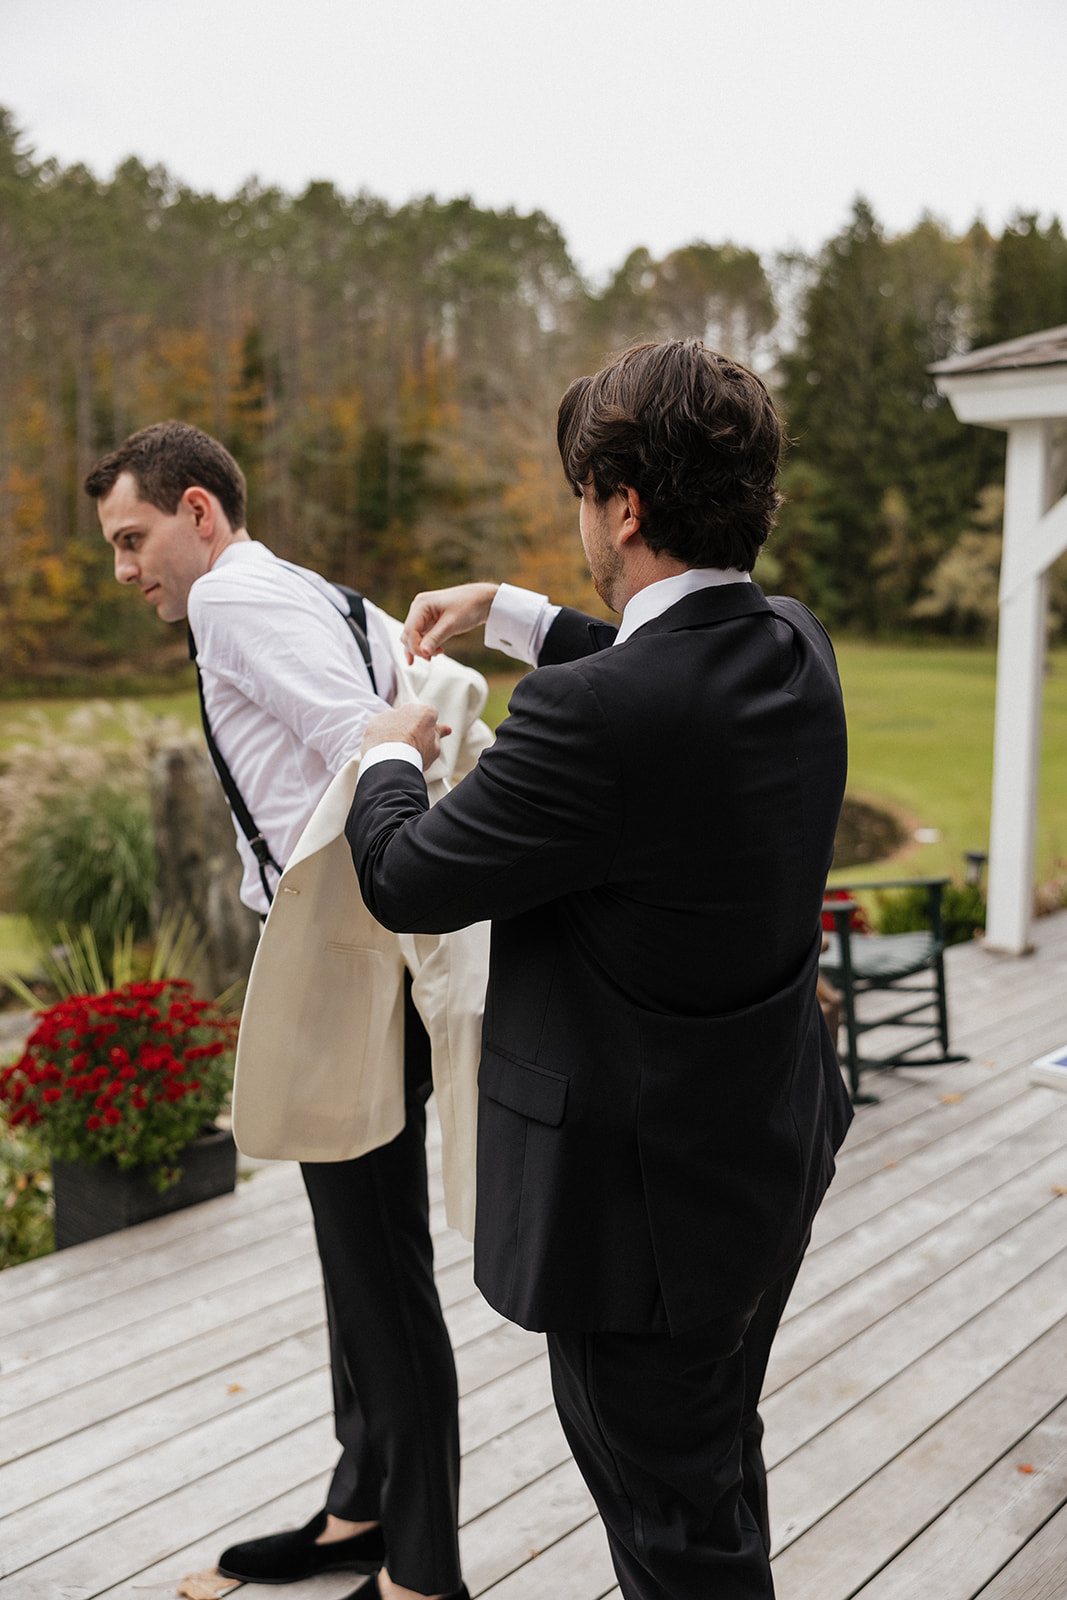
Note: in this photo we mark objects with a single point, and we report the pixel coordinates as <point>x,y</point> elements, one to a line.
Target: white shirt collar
<point>658,597</point>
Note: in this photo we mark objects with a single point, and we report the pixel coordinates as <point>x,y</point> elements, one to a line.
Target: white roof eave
<point>999,398</point>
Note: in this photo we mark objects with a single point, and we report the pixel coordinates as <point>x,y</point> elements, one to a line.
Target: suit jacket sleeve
<point>538,817</point>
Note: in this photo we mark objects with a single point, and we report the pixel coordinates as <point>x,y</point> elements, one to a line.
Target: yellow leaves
<point>1059,1189</point>
<point>176,376</point>
<point>551,560</point>
<point>950,1099</point>
<point>27,494</point>
<point>235,1388</point>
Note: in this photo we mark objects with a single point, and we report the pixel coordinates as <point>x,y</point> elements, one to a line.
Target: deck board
<point>165,1392</point>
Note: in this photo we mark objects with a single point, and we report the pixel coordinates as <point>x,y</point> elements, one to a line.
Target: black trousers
<point>667,1434</point>
<point>394,1378</point>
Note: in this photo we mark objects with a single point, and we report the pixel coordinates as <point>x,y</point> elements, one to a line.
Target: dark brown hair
<point>165,460</point>
<point>695,434</point>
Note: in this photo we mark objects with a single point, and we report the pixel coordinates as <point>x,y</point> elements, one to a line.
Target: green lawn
<point>921,737</point>
<point>17,717</point>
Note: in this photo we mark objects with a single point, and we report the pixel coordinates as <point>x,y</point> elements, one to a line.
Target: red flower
<point>112,1116</point>
<point>93,1123</point>
<point>52,1095</point>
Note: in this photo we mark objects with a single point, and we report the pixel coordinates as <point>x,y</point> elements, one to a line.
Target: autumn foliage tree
<point>388,378</point>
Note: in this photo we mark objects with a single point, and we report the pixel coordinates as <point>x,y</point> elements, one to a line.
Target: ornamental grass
<point>131,1076</point>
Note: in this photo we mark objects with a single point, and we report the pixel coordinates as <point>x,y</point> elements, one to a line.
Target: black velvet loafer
<point>287,1557</point>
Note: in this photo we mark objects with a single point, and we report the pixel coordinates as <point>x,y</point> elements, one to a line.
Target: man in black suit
<point>659,1099</point>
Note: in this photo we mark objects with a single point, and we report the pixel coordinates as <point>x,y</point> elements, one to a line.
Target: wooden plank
<point>157,1531</point>
<point>509,1461</point>
<point>816,1477</point>
<point>166,1468</point>
<point>470,1318</point>
<point>954,1137</point>
<point>288,1510</point>
<point>221,1350</point>
<point>940,1116</point>
<point>495,1353</point>
<point>517,1530</point>
<point>826,1391</point>
<point>111,1353</point>
<point>87,1450</point>
<point>506,1400</point>
<point>267,1188</point>
<point>159,1297</point>
<point>1036,1573</point>
<point>577,1567</point>
<point>985,1528</point>
<point>914,1216</point>
<point>860,1301</point>
<point>855,1527</point>
<point>69,1296</point>
<point>887,1189</point>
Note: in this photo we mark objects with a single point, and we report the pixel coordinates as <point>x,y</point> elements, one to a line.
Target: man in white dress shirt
<point>287,695</point>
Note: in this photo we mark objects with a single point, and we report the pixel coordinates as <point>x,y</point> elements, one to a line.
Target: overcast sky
<point>627,122</point>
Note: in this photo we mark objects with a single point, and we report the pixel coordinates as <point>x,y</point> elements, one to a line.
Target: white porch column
<point>1020,673</point>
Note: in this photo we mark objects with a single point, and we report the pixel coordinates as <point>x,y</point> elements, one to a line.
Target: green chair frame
<point>862,963</point>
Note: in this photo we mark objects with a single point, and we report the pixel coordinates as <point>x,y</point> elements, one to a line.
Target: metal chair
<point>862,963</point>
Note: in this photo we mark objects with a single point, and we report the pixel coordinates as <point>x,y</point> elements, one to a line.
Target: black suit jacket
<point>650,835</point>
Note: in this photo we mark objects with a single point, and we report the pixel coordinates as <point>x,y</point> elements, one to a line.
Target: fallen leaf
<point>951,1099</point>
<point>890,1163</point>
<point>987,1061</point>
<point>236,1388</point>
<point>1025,1467</point>
<point>207,1585</point>
<point>1059,1188</point>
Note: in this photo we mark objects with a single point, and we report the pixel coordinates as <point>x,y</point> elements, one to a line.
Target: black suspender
<point>357,623</point>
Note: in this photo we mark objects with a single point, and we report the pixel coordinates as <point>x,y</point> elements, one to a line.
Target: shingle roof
<point>1045,349</point>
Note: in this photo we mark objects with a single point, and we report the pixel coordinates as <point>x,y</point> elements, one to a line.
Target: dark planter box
<point>91,1201</point>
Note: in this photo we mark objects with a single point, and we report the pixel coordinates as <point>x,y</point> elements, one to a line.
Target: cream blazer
<point>320,1055</point>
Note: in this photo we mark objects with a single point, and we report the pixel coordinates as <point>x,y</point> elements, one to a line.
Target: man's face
<point>596,521</point>
<point>162,554</point>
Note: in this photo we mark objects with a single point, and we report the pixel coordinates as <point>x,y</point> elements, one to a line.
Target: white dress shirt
<point>286,689</point>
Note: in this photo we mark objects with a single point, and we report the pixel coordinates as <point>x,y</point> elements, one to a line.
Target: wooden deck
<point>165,1391</point>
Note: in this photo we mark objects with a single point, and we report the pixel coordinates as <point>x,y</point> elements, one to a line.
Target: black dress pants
<point>667,1434</point>
<point>394,1378</point>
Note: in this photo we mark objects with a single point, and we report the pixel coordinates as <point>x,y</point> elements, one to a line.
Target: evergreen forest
<point>388,378</point>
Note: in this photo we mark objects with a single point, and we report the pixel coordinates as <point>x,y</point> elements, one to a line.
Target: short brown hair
<point>168,458</point>
<point>694,433</point>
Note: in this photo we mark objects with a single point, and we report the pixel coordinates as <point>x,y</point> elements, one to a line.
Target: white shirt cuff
<point>518,622</point>
<point>396,750</point>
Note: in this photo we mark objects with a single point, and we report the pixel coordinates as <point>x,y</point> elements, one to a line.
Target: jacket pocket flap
<point>531,1091</point>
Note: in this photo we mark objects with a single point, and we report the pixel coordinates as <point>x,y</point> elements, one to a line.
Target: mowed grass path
<point>920,739</point>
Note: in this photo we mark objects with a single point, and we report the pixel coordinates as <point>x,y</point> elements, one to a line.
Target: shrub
<point>25,1199</point>
<point>908,911</point>
<point>86,857</point>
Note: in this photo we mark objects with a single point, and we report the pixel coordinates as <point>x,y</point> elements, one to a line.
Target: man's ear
<point>632,514</point>
<point>201,507</point>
